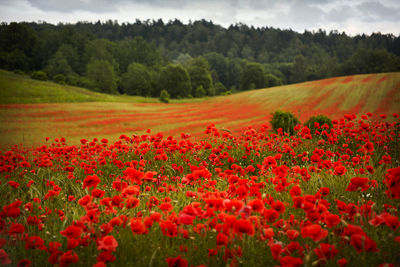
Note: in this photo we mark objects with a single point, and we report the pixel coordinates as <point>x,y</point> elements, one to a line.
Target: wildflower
<point>314,231</point>
<point>107,243</point>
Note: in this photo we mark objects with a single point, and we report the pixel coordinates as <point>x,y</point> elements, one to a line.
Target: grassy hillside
<point>31,123</point>
<point>21,89</point>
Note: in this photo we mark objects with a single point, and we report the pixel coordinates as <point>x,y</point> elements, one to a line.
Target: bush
<point>84,82</point>
<point>39,75</point>
<point>59,78</point>
<point>220,89</point>
<point>164,96</point>
<point>200,92</point>
<point>19,72</point>
<point>273,80</point>
<point>284,120</point>
<point>317,122</point>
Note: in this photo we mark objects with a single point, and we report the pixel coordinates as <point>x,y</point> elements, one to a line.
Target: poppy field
<point>30,113</point>
<point>258,198</point>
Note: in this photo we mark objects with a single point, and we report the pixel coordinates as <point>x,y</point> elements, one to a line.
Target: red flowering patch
<point>258,198</point>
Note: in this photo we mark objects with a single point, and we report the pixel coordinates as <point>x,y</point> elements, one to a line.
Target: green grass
<point>21,89</point>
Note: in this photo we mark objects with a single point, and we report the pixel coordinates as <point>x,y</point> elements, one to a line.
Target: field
<point>223,190</point>
<point>85,114</point>
<point>325,198</point>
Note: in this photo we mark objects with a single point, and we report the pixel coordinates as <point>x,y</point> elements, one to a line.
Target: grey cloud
<point>340,14</point>
<point>102,6</point>
<point>376,11</point>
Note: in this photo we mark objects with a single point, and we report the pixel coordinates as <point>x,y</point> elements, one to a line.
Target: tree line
<point>188,60</point>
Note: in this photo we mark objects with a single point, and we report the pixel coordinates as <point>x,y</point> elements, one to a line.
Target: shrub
<point>19,72</point>
<point>84,82</point>
<point>220,88</point>
<point>284,120</point>
<point>164,96</point>
<point>59,78</point>
<point>200,92</point>
<point>273,80</point>
<point>316,122</point>
<point>39,75</point>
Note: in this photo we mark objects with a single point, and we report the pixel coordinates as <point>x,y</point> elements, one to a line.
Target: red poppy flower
<point>222,239</point>
<point>68,258</point>
<point>16,228</point>
<point>24,263</point>
<point>243,226</point>
<point>72,231</point>
<point>363,243</point>
<point>331,220</point>
<point>107,243</point>
<point>292,234</point>
<point>339,170</point>
<point>177,262</point>
<point>91,181</point>
<point>326,251</point>
<point>392,181</point>
<point>290,261</point>
<point>4,259</point>
<point>137,226</point>
<point>256,205</point>
<point>314,231</point>
<point>357,183</point>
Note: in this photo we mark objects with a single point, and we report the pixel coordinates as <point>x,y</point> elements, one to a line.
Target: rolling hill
<point>26,118</point>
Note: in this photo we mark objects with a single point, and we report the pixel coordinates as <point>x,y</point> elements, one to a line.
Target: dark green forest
<point>187,60</point>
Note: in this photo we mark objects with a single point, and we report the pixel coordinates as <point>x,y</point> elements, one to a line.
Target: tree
<point>200,92</point>
<point>272,80</point>
<point>18,36</point>
<point>101,74</point>
<point>13,60</point>
<point>370,61</point>
<point>137,80</point>
<point>220,89</point>
<point>102,49</point>
<point>252,76</point>
<point>218,63</point>
<point>175,79</point>
<point>58,64</point>
<point>298,70</point>
<point>200,75</point>
<point>137,50</point>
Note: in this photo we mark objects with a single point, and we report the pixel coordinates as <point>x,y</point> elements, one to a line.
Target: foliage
<point>200,75</point>
<point>58,64</point>
<point>164,96</point>
<point>292,57</point>
<point>176,80</point>
<point>370,61</point>
<point>200,92</point>
<point>137,80</point>
<point>219,88</point>
<point>317,122</point>
<point>59,78</point>
<point>39,75</point>
<point>101,74</point>
<point>252,77</point>
<point>284,120</point>
<point>272,80</point>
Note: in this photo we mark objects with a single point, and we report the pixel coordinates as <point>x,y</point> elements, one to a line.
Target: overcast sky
<point>352,16</point>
